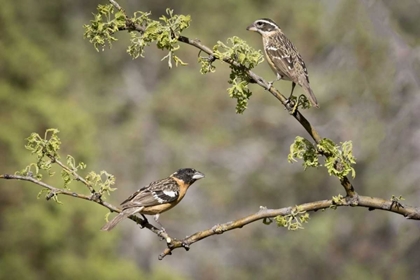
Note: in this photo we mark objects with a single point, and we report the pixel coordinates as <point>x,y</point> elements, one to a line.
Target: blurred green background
<point>141,121</point>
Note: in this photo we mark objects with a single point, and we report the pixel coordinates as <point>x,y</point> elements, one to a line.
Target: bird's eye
<point>259,24</point>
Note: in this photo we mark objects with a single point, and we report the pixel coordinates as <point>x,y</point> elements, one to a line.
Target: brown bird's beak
<point>251,28</point>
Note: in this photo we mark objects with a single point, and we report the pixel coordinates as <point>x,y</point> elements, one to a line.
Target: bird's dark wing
<point>159,192</point>
<point>286,59</point>
<point>280,56</point>
<point>303,70</point>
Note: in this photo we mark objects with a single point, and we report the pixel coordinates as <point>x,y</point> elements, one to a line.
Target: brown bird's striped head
<point>264,26</point>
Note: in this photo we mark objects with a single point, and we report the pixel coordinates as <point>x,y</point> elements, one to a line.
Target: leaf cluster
<point>339,159</point>
<point>294,220</point>
<point>164,32</point>
<point>46,150</point>
<point>104,25</point>
<point>237,50</point>
<point>103,180</point>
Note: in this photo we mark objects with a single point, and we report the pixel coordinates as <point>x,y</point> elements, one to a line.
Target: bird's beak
<point>198,175</point>
<point>251,28</point>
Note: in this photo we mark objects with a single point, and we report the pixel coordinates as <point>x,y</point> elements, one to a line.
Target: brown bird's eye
<point>259,24</point>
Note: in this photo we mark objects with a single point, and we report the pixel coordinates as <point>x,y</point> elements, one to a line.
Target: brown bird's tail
<point>124,214</point>
<point>311,96</point>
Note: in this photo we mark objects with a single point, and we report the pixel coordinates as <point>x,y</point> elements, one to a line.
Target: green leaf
<point>339,159</point>
<point>294,220</point>
<point>45,149</point>
<point>303,149</point>
<point>103,180</point>
<point>235,50</point>
<point>164,33</point>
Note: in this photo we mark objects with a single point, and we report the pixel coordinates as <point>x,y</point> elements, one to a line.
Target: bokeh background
<point>141,121</point>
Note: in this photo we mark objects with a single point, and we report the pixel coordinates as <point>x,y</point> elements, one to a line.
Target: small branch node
<point>96,196</point>
<point>352,200</point>
<point>186,245</point>
<point>217,229</point>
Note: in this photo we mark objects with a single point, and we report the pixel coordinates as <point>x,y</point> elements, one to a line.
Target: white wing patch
<point>170,193</point>
<point>165,196</point>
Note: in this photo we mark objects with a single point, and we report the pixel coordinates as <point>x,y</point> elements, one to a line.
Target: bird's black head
<point>188,175</point>
<point>263,26</point>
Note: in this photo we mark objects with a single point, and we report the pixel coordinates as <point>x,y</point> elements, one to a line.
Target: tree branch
<point>371,203</point>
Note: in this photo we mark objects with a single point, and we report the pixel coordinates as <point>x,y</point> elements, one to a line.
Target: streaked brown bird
<point>157,197</point>
<point>283,56</point>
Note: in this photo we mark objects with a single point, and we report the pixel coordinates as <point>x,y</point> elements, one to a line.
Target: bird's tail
<point>124,214</point>
<point>311,96</point>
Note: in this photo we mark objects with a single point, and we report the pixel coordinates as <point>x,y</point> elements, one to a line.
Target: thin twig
<point>75,175</point>
<point>116,5</point>
<point>112,208</point>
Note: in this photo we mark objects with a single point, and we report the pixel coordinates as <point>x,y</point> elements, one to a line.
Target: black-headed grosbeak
<point>157,197</point>
<point>283,56</point>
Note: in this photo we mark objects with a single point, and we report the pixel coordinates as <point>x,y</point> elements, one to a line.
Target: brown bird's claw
<point>291,106</point>
<point>270,84</point>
